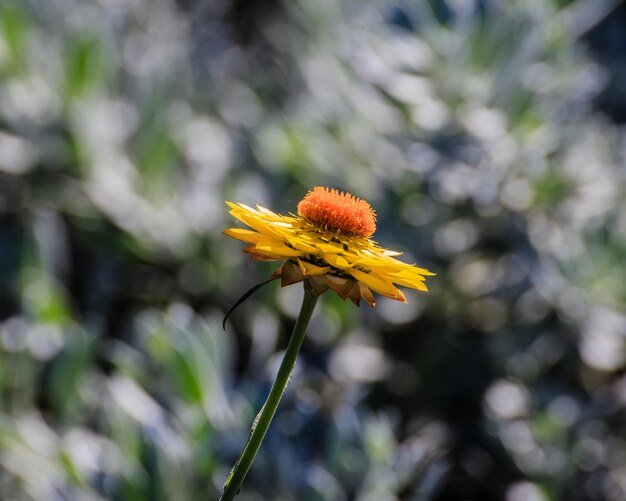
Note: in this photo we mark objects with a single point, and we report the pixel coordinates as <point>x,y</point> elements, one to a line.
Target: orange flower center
<point>338,211</point>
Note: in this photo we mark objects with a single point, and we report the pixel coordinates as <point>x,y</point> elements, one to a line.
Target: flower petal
<point>299,244</point>
<point>336,261</point>
<point>310,270</point>
<point>261,256</point>
<point>378,284</point>
<point>277,248</point>
<point>388,252</point>
<point>318,284</point>
<point>342,286</point>
<point>416,282</point>
<point>329,248</point>
<point>256,223</point>
<point>366,294</point>
<point>248,236</point>
<point>291,274</point>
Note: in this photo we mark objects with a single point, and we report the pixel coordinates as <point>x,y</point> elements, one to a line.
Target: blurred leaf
<point>14,28</point>
<point>84,65</point>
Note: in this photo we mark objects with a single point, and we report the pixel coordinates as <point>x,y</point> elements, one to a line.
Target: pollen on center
<point>338,211</point>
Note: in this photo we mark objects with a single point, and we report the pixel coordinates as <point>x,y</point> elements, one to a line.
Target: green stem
<point>264,417</point>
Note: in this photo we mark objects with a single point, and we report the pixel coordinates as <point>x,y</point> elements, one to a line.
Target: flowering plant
<point>328,247</point>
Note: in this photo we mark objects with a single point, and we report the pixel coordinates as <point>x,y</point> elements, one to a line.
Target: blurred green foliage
<point>487,135</point>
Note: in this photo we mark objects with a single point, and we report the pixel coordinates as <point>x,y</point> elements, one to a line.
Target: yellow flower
<point>328,245</point>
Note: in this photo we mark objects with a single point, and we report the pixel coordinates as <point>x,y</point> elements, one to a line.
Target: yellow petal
<point>252,237</point>
<point>258,224</point>
<point>336,261</point>
<point>390,265</point>
<point>374,262</point>
<point>310,270</point>
<point>261,256</point>
<point>413,284</point>
<point>301,245</point>
<point>351,257</point>
<point>388,252</point>
<point>232,205</point>
<point>278,249</point>
<point>408,278</point>
<point>330,248</point>
<point>268,212</point>
<point>420,271</point>
<point>376,282</point>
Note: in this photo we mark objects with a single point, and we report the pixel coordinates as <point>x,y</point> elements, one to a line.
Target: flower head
<point>340,212</point>
<point>327,245</point>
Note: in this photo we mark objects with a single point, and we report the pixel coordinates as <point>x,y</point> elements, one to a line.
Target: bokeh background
<point>487,134</point>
